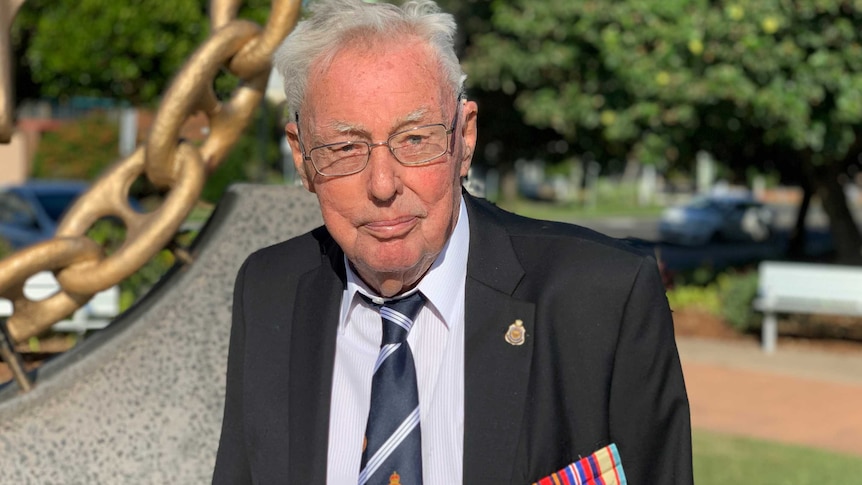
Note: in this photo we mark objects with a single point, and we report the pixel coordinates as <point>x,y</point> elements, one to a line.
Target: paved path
<point>807,397</point>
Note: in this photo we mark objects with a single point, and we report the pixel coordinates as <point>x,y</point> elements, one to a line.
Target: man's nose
<point>384,172</point>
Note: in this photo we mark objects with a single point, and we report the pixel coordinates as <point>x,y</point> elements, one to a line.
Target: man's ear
<point>469,132</point>
<point>290,130</point>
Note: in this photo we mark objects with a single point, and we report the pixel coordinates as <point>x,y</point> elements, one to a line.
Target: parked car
<point>29,213</point>
<point>717,218</point>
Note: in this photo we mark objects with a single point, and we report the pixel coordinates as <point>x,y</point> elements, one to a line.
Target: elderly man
<point>423,335</point>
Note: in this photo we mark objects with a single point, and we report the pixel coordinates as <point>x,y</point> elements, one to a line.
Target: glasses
<point>416,146</point>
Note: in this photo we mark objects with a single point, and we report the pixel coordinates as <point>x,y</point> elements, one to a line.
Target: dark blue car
<point>29,213</point>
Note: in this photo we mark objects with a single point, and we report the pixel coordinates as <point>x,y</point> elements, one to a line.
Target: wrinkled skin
<point>391,221</point>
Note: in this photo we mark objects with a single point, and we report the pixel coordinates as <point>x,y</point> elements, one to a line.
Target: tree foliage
<point>766,82</point>
<point>645,74</point>
<point>121,49</point>
<point>124,49</point>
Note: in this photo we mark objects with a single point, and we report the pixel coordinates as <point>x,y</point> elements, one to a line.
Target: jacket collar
<point>312,354</point>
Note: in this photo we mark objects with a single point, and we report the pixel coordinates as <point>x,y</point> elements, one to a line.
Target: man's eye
<point>348,148</point>
<point>414,139</point>
<point>409,140</point>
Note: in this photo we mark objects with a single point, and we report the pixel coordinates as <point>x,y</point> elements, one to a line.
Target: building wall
<point>15,158</point>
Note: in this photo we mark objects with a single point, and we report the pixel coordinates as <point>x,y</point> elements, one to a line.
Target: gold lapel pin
<point>516,333</point>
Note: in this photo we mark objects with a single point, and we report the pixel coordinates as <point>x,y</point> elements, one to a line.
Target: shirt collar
<point>436,286</point>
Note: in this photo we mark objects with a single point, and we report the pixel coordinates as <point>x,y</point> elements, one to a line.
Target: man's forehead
<point>353,126</point>
<point>360,91</point>
<point>410,60</point>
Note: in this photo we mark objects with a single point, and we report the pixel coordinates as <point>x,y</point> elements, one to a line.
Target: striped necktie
<point>392,451</point>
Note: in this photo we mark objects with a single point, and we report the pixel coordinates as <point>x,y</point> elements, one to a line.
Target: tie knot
<point>398,316</point>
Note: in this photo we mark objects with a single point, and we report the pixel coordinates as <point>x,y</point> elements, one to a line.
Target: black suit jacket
<point>599,364</point>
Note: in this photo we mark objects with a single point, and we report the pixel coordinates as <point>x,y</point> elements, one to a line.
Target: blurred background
<point>714,134</point>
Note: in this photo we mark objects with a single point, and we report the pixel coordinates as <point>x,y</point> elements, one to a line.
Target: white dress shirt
<point>437,343</point>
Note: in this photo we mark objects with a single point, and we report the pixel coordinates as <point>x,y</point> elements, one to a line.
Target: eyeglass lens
<point>411,147</point>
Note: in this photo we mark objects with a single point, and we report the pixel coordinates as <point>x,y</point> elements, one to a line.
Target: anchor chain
<point>82,269</point>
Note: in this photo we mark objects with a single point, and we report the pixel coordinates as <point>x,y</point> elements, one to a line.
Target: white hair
<point>336,24</point>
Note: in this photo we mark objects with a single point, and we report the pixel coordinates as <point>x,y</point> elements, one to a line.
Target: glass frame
<point>450,144</point>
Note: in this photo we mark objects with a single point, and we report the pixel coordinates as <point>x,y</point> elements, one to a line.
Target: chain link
<point>78,262</point>
<point>33,317</point>
<point>222,12</point>
<point>8,9</point>
<point>146,234</point>
<point>246,50</point>
<point>186,98</point>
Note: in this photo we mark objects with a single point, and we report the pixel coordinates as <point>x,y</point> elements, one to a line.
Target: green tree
<point>121,49</point>
<point>768,83</point>
<point>126,49</point>
<point>505,136</point>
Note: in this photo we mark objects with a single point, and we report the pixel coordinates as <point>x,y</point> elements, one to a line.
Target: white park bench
<point>95,315</point>
<point>805,288</point>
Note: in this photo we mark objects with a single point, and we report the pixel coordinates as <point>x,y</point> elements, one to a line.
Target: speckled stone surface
<point>141,402</point>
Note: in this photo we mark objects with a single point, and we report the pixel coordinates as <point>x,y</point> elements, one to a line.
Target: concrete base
<point>141,401</point>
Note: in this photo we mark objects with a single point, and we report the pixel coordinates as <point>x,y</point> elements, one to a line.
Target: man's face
<point>391,220</point>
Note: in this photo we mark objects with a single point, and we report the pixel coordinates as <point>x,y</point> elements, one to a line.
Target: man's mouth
<point>391,228</point>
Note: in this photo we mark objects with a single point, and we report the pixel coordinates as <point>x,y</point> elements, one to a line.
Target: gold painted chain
<point>82,269</point>
<point>8,9</point>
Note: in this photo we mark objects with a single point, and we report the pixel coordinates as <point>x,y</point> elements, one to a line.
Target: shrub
<point>703,298</point>
<point>702,275</point>
<point>729,296</point>
<point>79,149</point>
<point>737,292</point>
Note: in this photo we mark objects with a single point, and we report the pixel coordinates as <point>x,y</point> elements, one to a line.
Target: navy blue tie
<point>392,452</point>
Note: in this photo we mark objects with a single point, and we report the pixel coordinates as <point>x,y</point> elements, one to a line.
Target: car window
<point>700,203</point>
<point>15,210</point>
<point>56,204</point>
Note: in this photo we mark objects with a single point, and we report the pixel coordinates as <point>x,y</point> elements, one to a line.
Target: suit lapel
<point>495,371</point>
<point>312,356</point>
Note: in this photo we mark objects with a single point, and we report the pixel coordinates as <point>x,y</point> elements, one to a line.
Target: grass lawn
<point>722,459</point>
<point>550,211</point>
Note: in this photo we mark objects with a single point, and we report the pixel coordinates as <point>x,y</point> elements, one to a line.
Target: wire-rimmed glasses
<point>416,146</point>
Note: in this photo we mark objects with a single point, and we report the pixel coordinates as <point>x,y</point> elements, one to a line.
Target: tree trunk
<point>846,237</point>
<point>798,236</point>
<point>508,185</point>
<point>632,170</point>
